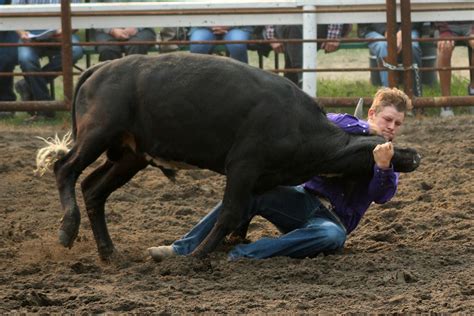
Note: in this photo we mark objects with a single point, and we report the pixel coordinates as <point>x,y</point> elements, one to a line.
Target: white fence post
<point>309,50</point>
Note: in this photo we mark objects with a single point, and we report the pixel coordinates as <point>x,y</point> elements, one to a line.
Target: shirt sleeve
<point>383,185</point>
<point>349,124</point>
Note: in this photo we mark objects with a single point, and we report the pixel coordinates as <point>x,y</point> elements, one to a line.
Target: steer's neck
<point>353,158</point>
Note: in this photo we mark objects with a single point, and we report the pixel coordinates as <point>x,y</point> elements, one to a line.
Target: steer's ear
<point>359,110</point>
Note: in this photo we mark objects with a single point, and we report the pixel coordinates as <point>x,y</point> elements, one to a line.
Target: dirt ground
<point>413,254</point>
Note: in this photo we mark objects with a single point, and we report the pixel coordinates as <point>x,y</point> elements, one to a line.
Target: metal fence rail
<point>309,13</point>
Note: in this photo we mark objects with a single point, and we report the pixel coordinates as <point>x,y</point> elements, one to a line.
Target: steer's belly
<point>168,164</point>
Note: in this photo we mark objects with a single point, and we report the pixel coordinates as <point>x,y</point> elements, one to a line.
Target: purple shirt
<point>351,200</point>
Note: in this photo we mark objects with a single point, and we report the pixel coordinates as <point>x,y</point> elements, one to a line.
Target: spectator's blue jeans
<point>29,59</point>
<point>236,51</point>
<point>380,49</point>
<point>8,61</point>
<point>307,227</point>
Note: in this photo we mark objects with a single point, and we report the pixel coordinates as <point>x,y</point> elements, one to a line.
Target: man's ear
<point>371,114</point>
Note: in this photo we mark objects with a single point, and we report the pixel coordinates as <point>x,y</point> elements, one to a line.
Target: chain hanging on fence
<point>417,79</point>
<point>400,67</point>
<point>390,66</point>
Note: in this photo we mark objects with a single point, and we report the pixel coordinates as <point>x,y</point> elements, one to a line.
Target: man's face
<point>388,120</point>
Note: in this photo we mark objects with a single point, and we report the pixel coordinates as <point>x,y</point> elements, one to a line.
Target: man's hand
<point>118,33</point>
<point>399,42</point>
<point>131,31</point>
<point>277,47</point>
<point>449,45</point>
<point>220,30</point>
<point>383,154</point>
<point>330,47</point>
<point>24,35</point>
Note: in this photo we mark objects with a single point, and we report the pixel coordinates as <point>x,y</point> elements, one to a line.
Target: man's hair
<point>391,97</point>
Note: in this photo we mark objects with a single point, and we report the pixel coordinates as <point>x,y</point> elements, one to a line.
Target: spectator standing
<point>293,52</point>
<point>236,51</point>
<point>125,34</point>
<point>8,61</point>
<point>36,87</point>
<point>316,217</point>
<point>380,49</point>
<point>445,52</point>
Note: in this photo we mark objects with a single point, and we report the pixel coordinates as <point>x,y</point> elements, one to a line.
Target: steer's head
<point>405,160</point>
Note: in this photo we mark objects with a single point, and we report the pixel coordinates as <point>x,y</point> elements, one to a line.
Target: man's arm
<point>269,34</point>
<point>334,32</point>
<point>383,185</point>
<point>350,124</point>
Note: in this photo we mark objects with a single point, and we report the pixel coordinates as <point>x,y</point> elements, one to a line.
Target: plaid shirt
<point>334,31</point>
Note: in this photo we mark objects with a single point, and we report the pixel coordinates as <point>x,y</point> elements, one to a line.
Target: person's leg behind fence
<point>238,51</point>
<point>201,34</point>
<point>145,34</point>
<point>379,50</point>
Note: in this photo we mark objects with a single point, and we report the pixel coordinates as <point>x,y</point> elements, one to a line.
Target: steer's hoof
<point>68,231</point>
<point>66,238</point>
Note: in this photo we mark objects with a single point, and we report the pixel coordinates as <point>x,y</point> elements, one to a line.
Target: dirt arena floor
<point>413,254</point>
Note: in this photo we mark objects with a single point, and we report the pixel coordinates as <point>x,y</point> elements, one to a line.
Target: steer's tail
<point>56,148</point>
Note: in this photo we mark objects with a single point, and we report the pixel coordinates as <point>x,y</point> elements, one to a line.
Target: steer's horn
<point>359,110</point>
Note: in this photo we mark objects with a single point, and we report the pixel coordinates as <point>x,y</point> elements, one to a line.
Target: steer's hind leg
<point>88,147</point>
<point>98,186</point>
<point>237,200</point>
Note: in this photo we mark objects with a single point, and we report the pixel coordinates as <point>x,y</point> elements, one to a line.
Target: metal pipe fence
<point>390,9</point>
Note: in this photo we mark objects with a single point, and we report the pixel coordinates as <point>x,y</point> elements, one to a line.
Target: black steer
<point>257,128</point>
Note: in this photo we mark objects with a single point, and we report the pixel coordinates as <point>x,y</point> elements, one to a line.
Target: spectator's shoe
<point>22,88</point>
<point>162,252</point>
<point>446,112</point>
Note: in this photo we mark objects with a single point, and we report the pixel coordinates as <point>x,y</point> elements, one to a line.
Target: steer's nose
<point>416,161</point>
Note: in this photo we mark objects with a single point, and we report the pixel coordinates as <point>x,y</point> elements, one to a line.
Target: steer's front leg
<point>237,199</point>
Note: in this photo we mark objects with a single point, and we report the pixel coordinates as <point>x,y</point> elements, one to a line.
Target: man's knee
<point>335,236</point>
<point>378,49</point>
<point>27,60</point>
<point>77,53</point>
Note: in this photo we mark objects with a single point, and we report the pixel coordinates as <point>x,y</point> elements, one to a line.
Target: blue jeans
<point>236,51</point>
<point>110,52</point>
<point>8,61</point>
<point>29,59</point>
<point>380,49</point>
<point>307,227</point>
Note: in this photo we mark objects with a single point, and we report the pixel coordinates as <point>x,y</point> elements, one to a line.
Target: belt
<point>327,204</point>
